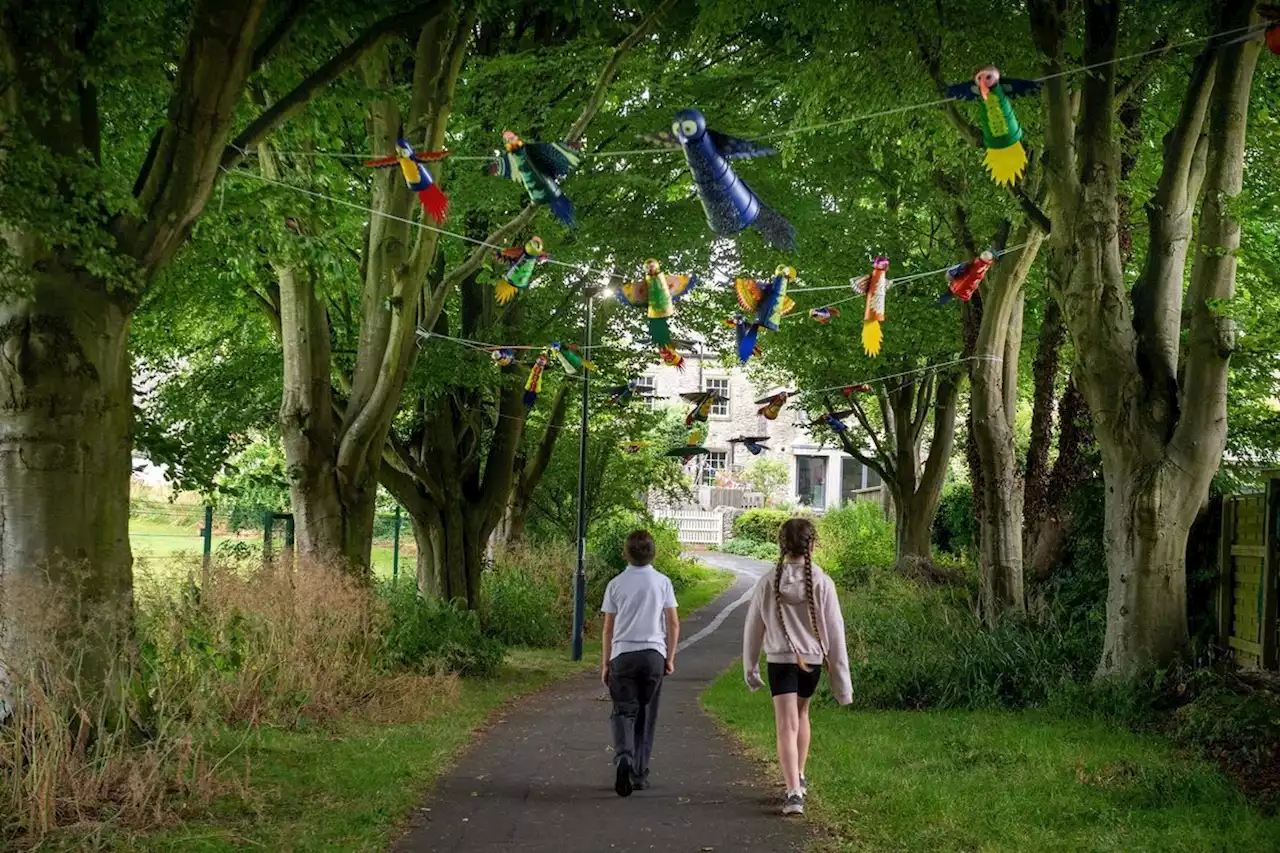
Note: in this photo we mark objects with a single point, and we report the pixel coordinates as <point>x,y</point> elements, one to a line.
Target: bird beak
<point>983,87</point>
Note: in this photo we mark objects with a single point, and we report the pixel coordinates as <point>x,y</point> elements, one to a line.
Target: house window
<point>856,477</point>
<point>712,464</point>
<point>646,390</point>
<point>720,408</point>
<point>811,481</point>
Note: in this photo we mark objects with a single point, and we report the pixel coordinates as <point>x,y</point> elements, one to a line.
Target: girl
<point>795,615</point>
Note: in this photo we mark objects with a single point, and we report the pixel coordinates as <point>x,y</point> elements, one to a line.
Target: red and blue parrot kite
<point>729,203</point>
<point>963,279</point>
<point>417,177</point>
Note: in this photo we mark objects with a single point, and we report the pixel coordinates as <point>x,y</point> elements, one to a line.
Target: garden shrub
<point>526,595</point>
<point>427,635</point>
<point>914,647</point>
<point>744,547</point>
<point>955,526</point>
<point>853,540</point>
<point>759,524</point>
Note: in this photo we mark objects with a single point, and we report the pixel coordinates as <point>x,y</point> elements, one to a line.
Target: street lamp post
<point>580,574</point>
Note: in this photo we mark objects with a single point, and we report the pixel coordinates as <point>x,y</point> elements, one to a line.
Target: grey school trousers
<point>635,683</point>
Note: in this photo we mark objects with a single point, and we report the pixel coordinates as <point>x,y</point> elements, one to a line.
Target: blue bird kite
<point>729,203</point>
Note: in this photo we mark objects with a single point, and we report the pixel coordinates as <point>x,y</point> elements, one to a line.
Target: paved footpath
<point>541,779</point>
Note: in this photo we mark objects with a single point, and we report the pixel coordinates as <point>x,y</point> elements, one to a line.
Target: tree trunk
<point>66,422</point>
<point>450,556</point>
<point>914,527</point>
<point>1148,516</point>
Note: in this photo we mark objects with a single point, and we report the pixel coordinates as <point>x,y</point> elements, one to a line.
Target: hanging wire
<point>796,131</point>
<point>926,369</point>
<point>582,268</point>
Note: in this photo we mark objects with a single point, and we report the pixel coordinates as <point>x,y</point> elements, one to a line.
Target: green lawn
<point>1001,782</point>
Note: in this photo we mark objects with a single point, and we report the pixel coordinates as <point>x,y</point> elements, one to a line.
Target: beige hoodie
<point>763,627</point>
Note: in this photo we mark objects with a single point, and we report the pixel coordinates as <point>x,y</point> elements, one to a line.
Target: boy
<point>641,631</point>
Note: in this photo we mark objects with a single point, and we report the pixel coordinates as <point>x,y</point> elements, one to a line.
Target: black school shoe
<point>622,783</point>
<point>639,784</point>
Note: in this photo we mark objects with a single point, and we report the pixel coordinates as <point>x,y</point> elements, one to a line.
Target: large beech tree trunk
<point>1159,403</point>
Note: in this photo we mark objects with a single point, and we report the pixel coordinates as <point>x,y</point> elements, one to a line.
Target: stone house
<point>822,476</point>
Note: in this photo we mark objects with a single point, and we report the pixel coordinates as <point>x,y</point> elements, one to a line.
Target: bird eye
<point>675,128</point>
<point>690,128</point>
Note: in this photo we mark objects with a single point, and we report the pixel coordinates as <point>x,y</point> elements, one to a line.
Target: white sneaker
<point>794,805</point>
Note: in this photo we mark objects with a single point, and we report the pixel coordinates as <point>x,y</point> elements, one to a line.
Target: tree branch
<point>267,47</point>
<point>885,468</point>
<point>944,435</point>
<point>346,59</point>
<point>180,176</point>
<point>546,446</point>
<point>1201,432</point>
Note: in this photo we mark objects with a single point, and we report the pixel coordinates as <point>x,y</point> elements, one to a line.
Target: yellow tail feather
<point>1006,165</point>
<point>505,292</point>
<point>871,337</point>
<point>588,365</point>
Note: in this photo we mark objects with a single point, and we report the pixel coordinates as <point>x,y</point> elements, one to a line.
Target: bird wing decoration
<point>554,159</point>
<point>748,291</point>
<point>662,140</point>
<point>788,305</point>
<point>749,439</point>
<point>700,397</point>
<point>735,148</point>
<point>635,294</point>
<point>769,398</point>
<point>679,285</point>
<point>514,253</point>
<point>505,166</point>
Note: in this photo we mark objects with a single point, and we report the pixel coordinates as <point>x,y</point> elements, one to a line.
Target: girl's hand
<point>754,682</point>
<point>604,675</point>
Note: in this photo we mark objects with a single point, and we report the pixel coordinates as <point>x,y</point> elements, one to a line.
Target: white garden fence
<point>700,526</point>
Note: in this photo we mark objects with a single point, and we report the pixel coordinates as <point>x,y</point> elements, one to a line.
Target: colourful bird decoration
<point>741,328</point>
<point>692,446</point>
<point>417,177</point>
<point>755,444</point>
<point>671,357</point>
<point>833,420</point>
<point>767,301</point>
<point>772,405</point>
<point>874,287</point>
<point>623,393</point>
<point>573,363</point>
<point>850,390</point>
<point>963,279</point>
<point>825,314</point>
<point>658,293</point>
<point>503,357</point>
<point>537,166</point>
<point>702,403</point>
<point>730,205</point>
<point>521,263</point>
<point>634,446</point>
<point>533,385</point>
<point>1006,159</point>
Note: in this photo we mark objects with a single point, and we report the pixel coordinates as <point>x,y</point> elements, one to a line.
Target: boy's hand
<point>604,674</point>
<point>671,666</point>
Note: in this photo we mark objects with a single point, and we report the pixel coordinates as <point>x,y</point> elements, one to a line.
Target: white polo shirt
<point>637,598</point>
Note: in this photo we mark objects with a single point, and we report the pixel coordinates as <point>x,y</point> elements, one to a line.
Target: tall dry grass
<point>112,727</point>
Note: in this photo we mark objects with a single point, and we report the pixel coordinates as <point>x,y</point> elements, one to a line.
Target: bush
<point>526,595</point>
<point>914,647</point>
<point>853,540</point>
<point>605,541</point>
<point>427,635</point>
<point>955,527</point>
<point>744,547</point>
<point>759,524</point>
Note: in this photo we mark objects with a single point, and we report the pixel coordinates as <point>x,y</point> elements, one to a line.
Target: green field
<point>1001,782</point>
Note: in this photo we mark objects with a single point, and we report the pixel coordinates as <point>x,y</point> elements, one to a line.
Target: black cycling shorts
<point>790,678</point>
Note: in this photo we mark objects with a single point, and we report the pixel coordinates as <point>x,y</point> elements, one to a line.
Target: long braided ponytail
<point>795,539</point>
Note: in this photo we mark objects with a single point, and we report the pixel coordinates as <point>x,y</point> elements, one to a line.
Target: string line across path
<point>540,780</point>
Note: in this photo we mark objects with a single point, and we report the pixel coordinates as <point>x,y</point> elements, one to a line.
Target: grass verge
<point>997,781</point>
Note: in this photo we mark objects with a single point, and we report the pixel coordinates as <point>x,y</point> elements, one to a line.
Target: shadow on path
<point>540,779</point>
